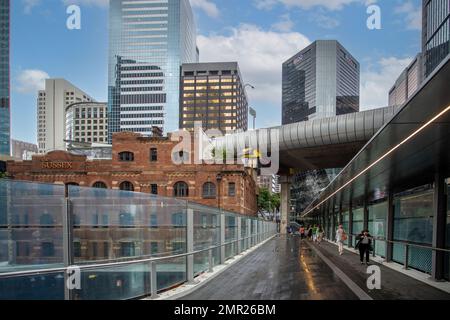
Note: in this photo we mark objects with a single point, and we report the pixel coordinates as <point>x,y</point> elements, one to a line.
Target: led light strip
<point>381,158</point>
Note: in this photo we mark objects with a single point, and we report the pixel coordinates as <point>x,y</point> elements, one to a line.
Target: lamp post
<point>219,179</point>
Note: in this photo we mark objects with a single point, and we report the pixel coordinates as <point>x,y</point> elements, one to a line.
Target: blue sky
<point>259,34</point>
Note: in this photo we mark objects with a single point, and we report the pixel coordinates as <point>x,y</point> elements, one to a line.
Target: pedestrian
<point>310,233</point>
<point>314,233</point>
<point>364,245</point>
<point>302,232</point>
<point>341,236</point>
<point>320,234</point>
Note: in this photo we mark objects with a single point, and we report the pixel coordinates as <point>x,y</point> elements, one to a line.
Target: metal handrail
<point>122,263</point>
<point>406,243</point>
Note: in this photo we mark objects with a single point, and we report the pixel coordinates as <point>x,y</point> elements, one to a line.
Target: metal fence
<point>124,245</point>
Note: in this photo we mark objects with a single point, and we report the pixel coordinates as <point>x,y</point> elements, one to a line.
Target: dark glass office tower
<point>5,117</point>
<point>320,81</point>
<point>148,43</point>
<point>435,33</point>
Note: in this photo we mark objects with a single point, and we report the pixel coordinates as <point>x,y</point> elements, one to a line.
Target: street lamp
<point>219,179</point>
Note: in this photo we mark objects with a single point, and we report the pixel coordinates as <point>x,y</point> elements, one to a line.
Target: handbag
<point>344,237</point>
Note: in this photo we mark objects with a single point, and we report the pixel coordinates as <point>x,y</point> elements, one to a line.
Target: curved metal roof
<point>321,143</point>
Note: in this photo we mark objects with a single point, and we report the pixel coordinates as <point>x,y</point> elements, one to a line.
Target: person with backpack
<point>341,236</point>
<point>364,245</point>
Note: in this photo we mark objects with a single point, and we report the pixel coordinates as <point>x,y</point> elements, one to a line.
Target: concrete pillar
<point>285,203</point>
<point>222,238</point>
<point>439,225</point>
<point>390,227</point>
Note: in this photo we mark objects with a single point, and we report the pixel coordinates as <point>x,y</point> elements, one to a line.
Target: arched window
<point>209,191</point>
<point>126,156</point>
<point>100,185</point>
<point>181,189</point>
<point>126,186</point>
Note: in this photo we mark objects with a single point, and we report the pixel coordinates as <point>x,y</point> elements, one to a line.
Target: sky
<point>259,34</point>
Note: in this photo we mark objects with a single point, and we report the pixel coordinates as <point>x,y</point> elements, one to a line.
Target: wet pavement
<point>281,269</point>
<point>286,268</point>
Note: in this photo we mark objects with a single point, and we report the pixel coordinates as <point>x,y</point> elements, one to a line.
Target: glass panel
<point>123,224</point>
<point>358,223</point>
<point>35,287</point>
<point>447,232</point>
<point>345,223</point>
<point>413,222</point>
<point>230,235</point>
<point>206,235</point>
<point>114,283</point>
<point>30,225</point>
<point>377,226</point>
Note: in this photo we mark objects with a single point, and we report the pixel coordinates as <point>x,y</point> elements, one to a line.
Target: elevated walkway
<point>287,268</point>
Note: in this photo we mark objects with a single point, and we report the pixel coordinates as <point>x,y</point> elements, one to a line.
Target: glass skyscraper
<point>148,43</point>
<point>435,33</point>
<point>320,81</point>
<point>5,117</point>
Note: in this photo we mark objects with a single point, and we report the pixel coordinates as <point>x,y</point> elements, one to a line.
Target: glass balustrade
<point>112,236</point>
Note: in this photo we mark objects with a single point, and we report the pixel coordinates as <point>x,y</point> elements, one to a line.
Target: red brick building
<point>144,164</point>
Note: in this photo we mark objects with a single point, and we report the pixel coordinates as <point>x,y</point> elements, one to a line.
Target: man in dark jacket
<point>364,245</point>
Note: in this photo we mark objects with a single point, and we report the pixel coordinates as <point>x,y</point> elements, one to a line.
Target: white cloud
<point>306,4</point>
<point>98,3</point>
<point>412,13</point>
<point>375,85</point>
<point>260,54</point>
<point>29,5</point>
<point>31,81</point>
<point>285,24</point>
<point>207,6</point>
<point>325,21</point>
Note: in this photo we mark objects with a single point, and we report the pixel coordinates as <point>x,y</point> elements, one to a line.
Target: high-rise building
<point>51,104</point>
<point>5,112</point>
<point>435,33</point>
<point>87,122</point>
<point>320,81</point>
<point>214,94</point>
<point>148,43</point>
<point>407,83</point>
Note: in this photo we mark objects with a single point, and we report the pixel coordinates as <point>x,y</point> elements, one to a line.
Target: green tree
<point>275,201</point>
<point>264,199</point>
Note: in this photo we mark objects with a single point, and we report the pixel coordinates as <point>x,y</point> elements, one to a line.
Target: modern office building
<point>320,81</point>
<point>435,32</point>
<point>214,94</point>
<point>5,112</point>
<point>87,122</point>
<point>407,83</point>
<point>148,42</point>
<point>21,150</point>
<point>269,182</point>
<point>51,106</point>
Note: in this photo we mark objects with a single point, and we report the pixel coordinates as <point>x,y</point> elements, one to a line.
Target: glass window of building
<point>154,189</point>
<point>180,190</point>
<point>231,189</point>
<point>358,222</point>
<point>153,154</point>
<point>99,185</point>
<point>209,190</point>
<point>126,156</point>
<point>126,186</point>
